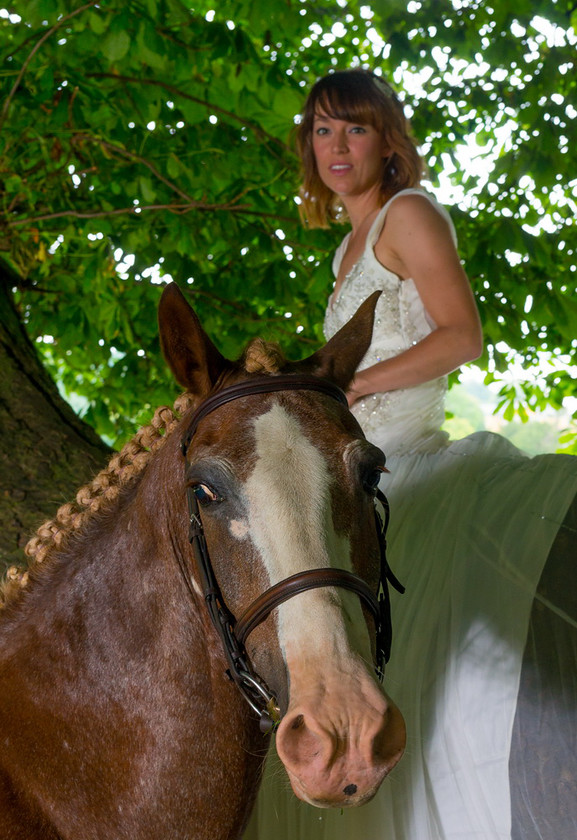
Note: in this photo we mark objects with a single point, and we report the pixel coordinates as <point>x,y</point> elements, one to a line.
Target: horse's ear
<point>341,356</point>
<point>192,357</point>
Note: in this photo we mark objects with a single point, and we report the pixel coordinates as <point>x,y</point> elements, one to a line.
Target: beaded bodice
<point>404,420</point>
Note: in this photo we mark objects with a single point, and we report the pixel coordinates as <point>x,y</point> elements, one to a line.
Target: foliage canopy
<point>146,138</point>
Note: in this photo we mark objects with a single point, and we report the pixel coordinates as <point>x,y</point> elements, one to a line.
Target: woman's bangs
<point>347,105</point>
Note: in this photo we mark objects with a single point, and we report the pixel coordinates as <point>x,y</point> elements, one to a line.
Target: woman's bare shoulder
<point>416,206</point>
<point>416,219</point>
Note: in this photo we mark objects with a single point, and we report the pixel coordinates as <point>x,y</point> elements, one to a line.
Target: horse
<point>134,704</point>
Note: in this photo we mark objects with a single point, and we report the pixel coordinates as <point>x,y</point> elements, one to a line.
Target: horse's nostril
<point>298,722</point>
<point>349,790</point>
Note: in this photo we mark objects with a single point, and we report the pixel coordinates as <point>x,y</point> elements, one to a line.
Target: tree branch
<point>259,132</point>
<point>139,159</point>
<point>179,209</point>
<point>33,52</point>
<point>133,156</point>
<point>250,316</point>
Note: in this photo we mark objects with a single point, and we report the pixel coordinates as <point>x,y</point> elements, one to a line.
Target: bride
<point>472,521</point>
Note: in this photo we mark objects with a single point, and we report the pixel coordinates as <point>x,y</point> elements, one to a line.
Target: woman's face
<point>349,156</point>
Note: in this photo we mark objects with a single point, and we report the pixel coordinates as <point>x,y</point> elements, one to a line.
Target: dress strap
<point>339,254</point>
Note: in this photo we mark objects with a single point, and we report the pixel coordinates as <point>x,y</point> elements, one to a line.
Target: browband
<point>261,385</point>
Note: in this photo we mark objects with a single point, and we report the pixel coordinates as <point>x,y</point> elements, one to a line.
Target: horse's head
<point>286,481</point>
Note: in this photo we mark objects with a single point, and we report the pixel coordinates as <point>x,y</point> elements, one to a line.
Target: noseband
<point>233,633</point>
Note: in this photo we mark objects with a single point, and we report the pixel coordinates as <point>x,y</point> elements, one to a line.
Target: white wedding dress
<point>472,524</point>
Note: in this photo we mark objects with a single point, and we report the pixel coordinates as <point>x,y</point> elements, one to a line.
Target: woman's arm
<point>416,242</point>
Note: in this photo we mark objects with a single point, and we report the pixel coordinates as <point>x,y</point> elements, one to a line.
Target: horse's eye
<point>205,494</point>
<point>372,477</point>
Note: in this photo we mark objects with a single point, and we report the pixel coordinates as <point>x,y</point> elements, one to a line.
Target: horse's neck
<point>109,643</point>
<point>118,571</point>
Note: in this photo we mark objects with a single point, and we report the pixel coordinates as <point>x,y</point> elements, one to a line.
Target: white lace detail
<point>397,421</point>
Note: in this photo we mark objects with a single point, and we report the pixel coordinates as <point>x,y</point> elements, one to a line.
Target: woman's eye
<point>321,131</point>
<point>205,495</point>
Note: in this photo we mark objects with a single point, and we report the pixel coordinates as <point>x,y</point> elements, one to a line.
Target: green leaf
<point>115,45</point>
<point>152,48</point>
<point>98,22</point>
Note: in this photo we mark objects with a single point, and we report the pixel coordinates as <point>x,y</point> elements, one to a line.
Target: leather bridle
<point>233,633</point>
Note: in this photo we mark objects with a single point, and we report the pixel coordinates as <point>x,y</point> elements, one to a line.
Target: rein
<point>232,632</point>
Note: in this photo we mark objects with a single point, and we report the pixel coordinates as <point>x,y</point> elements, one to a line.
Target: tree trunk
<point>46,451</point>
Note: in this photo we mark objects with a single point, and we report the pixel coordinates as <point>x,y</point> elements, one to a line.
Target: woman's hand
<point>358,388</point>
<point>352,394</point>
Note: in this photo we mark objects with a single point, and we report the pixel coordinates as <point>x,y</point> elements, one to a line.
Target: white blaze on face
<point>290,521</point>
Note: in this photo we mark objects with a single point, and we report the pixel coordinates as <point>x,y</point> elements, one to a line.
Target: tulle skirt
<point>484,662</point>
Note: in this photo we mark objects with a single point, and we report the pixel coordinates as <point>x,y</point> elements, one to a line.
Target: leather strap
<point>262,606</point>
<point>261,385</point>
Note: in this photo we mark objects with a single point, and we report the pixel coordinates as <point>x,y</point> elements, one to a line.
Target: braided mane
<point>98,494</point>
<point>259,357</point>
<point>263,357</point>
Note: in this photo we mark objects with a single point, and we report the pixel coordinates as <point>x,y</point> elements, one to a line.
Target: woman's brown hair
<point>357,96</point>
